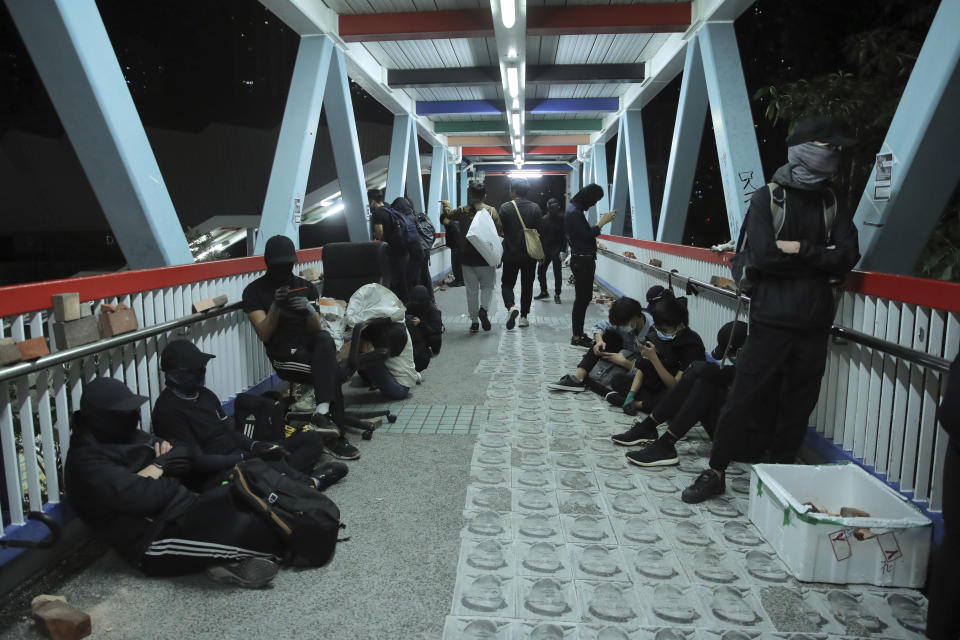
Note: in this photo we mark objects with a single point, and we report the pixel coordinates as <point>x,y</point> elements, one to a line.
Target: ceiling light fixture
<point>516,104</point>
<point>508,13</point>
<point>513,82</point>
<point>516,123</point>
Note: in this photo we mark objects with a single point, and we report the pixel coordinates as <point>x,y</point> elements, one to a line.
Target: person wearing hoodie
<point>280,307</point>
<point>792,303</point>
<point>416,257</point>
<point>123,484</point>
<point>583,255</point>
<point>554,240</point>
<point>425,326</point>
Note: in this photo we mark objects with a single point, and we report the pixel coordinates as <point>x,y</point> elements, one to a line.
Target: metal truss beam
<point>536,74</point>
<point>598,162</point>
<point>630,178</point>
<point>532,126</point>
<point>403,173</point>
<point>496,107</point>
<point>558,150</point>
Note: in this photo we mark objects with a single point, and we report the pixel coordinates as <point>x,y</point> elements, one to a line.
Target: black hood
<point>418,300</point>
<point>403,205</point>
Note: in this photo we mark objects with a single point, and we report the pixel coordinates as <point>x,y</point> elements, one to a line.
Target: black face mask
<point>112,427</point>
<point>279,273</point>
<point>186,381</point>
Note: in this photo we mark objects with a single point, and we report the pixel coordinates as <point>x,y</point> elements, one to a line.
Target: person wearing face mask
<point>583,254</point>
<point>792,303</point>
<point>187,411</point>
<point>280,307</point>
<point>554,240</point>
<point>123,483</point>
<point>667,352</point>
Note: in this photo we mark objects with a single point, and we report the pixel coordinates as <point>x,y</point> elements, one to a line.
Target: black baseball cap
<point>818,129</point>
<point>280,250</point>
<point>183,354</point>
<point>654,293</point>
<point>109,394</point>
<point>738,331</point>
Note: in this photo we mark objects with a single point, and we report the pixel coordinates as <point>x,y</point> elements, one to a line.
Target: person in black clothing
<point>190,413</point>
<point>792,303</point>
<point>279,306</point>
<point>697,397</point>
<point>122,483</point>
<point>583,254</point>
<point>382,230</point>
<point>416,258</point>
<point>669,350</point>
<point>943,615</point>
<point>514,216</point>
<point>425,325</point>
<point>554,238</point>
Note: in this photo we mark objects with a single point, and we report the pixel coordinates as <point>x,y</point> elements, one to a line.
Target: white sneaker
<point>523,323</point>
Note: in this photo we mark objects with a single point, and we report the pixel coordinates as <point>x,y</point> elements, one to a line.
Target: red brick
<point>60,621</point>
<point>33,348</point>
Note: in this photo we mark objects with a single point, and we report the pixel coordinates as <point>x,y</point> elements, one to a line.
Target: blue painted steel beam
<point>687,136</point>
<point>399,156</point>
<point>739,157</point>
<point>414,173</point>
<point>437,176</point>
<point>924,136</point>
<point>72,52</point>
<point>601,177</point>
<point>298,133</point>
<point>573,181</point>
<point>346,148</point>
<point>463,187</point>
<point>548,105</point>
<point>630,178</point>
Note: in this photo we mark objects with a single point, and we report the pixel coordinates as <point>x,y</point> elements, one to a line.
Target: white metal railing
<point>879,408</point>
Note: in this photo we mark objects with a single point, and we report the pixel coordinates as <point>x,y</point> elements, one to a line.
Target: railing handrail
<point>890,348</point>
<point>924,292</point>
<point>60,357</point>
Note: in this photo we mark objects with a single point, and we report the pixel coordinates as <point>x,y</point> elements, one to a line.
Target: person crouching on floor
<point>425,326</point>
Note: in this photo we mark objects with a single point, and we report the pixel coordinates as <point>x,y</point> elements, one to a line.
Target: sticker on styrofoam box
<point>889,548</point>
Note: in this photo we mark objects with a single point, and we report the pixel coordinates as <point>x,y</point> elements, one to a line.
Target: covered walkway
<point>443,498</point>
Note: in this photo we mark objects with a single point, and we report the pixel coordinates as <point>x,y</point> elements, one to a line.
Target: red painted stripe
<point>35,296</point>
<point>552,150</point>
<point>486,151</point>
<point>416,25</point>
<point>920,291</point>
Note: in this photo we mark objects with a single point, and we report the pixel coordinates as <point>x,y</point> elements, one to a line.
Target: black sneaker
<point>456,283</point>
<point>631,409</point>
<point>658,453</point>
<point>556,298</point>
<point>512,317</point>
<point>249,573</point>
<point>323,425</point>
<point>615,398</point>
<point>543,295</point>
<point>635,435</point>
<point>341,449</point>
<point>568,383</point>
<point>474,327</point>
<point>329,473</point>
<point>707,485</point>
<point>484,320</point>
<point>581,342</point>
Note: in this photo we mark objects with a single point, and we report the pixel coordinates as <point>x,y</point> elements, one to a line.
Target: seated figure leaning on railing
<point>123,483</point>
<point>279,305</point>
<point>188,412</point>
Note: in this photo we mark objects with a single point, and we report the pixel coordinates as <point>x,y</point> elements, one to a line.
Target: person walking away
<point>478,276</point>
<point>383,229</point>
<point>583,254</point>
<point>416,259</point>
<point>792,302</point>
<point>554,238</point>
<point>515,215</point>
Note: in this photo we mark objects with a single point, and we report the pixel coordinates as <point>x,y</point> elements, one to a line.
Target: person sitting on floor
<point>190,413</point>
<point>697,397</point>
<point>624,331</point>
<point>396,375</point>
<point>668,351</point>
<point>425,326</point>
<point>121,482</point>
<point>279,307</point>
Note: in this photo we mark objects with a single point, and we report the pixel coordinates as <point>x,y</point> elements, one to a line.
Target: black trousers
<point>398,273</point>
<point>456,265</point>
<point>214,530</point>
<point>774,360</point>
<point>584,268</point>
<point>553,258</point>
<point>697,397</point>
<point>526,267</point>
<point>415,263</point>
<point>313,362</point>
<point>425,278</point>
<point>943,614</point>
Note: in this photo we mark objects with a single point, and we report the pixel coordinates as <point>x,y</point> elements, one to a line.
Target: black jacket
<point>793,291</point>
<point>553,234</point>
<point>582,236</point>
<point>128,511</point>
<point>514,246</point>
<point>949,411</point>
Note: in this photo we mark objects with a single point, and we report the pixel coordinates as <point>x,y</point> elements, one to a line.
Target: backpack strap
<point>829,216</point>
<point>778,207</point>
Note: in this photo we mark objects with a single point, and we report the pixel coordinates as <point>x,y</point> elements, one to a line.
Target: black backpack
<point>260,417</point>
<point>307,520</point>
<point>428,233</point>
<point>402,232</point>
<point>741,266</point>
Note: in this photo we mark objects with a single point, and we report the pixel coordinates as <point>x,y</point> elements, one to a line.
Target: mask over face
<point>811,163</point>
<point>186,383</point>
<point>666,337</point>
<point>279,273</point>
<point>111,427</point>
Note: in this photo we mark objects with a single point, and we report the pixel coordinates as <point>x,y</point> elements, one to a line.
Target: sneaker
<point>512,317</point>
<point>249,573</point>
<point>543,295</point>
<point>556,298</point>
<point>341,449</point>
<point>324,425</point>
<point>484,320</point>
<point>306,404</point>
<point>456,283</point>
<point>568,383</point>
<point>615,398</point>
<point>474,327</point>
<point>329,473</point>
<point>581,342</point>
<point>523,322</point>
<point>658,453</point>
<point>635,435</point>
<point>707,485</point>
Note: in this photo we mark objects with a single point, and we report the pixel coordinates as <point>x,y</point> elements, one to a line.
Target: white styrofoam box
<point>818,547</point>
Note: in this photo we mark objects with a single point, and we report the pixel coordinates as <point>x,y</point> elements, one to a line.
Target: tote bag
<point>531,237</point>
<point>483,235</point>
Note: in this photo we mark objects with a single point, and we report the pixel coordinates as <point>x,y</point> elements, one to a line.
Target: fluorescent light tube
<point>508,13</point>
<point>513,82</point>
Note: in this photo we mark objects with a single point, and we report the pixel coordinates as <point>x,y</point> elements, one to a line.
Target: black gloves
<point>300,306</point>
<point>267,451</point>
<point>177,462</point>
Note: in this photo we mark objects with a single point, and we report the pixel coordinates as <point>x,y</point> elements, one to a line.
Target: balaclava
<point>280,255</point>
<point>811,163</point>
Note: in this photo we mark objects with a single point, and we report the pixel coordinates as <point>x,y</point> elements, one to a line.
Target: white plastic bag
<point>484,238</point>
<point>374,301</point>
<point>333,318</point>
